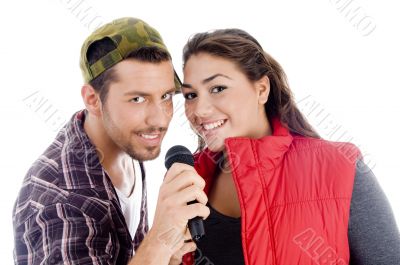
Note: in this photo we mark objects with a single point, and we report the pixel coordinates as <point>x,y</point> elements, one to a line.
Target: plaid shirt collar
<point>79,155</point>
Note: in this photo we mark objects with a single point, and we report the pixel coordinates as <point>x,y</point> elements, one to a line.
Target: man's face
<point>139,108</point>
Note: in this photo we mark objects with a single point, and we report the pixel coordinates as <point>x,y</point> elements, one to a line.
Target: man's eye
<point>189,96</point>
<point>168,96</point>
<point>218,89</point>
<point>137,99</point>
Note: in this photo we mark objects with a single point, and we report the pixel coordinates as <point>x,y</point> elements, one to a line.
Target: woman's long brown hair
<point>242,49</point>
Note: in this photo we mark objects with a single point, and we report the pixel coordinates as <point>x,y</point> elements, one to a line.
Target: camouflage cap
<point>128,34</point>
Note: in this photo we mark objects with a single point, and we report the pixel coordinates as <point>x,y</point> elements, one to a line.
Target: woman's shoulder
<point>306,142</point>
<point>303,144</point>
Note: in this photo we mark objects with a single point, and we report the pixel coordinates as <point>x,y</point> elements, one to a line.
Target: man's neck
<point>117,163</point>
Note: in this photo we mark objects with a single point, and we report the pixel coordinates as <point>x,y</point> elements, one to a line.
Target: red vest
<point>294,195</point>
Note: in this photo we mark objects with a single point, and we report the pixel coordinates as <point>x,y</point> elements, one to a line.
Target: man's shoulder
<point>61,177</point>
<point>42,194</point>
<point>48,165</point>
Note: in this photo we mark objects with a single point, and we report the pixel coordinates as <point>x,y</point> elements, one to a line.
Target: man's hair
<point>101,47</point>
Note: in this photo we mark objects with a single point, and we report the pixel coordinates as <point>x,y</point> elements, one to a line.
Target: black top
<point>222,243</point>
<point>373,234</point>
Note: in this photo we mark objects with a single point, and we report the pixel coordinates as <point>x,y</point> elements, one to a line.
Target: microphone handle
<point>196,226</point>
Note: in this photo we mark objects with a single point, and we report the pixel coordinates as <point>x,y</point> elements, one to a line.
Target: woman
<point>278,193</point>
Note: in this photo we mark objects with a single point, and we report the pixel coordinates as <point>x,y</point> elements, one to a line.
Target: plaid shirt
<point>68,212</point>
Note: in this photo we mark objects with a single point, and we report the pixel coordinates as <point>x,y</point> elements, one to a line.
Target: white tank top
<point>131,205</point>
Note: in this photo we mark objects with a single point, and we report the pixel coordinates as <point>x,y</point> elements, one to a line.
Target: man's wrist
<point>152,250</point>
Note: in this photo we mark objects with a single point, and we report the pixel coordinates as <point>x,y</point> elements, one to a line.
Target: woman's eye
<point>137,99</point>
<point>218,89</point>
<point>189,96</point>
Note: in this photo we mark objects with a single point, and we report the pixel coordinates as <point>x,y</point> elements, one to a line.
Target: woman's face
<point>220,101</point>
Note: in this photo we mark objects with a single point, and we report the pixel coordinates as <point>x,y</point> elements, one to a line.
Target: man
<point>84,200</point>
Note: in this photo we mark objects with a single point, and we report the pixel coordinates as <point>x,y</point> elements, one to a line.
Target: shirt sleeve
<point>373,234</point>
<point>62,234</point>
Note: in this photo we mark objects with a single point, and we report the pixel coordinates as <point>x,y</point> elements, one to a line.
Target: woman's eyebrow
<point>208,79</point>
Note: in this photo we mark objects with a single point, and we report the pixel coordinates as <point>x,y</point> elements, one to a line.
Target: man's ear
<point>263,88</point>
<point>91,100</point>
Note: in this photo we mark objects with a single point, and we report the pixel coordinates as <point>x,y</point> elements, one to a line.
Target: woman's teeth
<point>213,125</point>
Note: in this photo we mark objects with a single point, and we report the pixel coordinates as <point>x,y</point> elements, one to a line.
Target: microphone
<point>180,154</point>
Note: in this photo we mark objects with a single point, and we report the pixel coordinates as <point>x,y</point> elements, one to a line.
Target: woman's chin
<point>216,147</point>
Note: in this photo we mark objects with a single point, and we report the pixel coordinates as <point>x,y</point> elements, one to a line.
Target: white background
<point>344,68</point>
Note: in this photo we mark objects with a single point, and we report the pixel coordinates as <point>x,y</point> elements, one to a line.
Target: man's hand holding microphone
<point>181,200</point>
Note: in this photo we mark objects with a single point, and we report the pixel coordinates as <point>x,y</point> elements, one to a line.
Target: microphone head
<point>178,154</point>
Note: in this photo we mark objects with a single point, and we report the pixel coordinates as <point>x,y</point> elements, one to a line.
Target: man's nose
<point>159,115</point>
